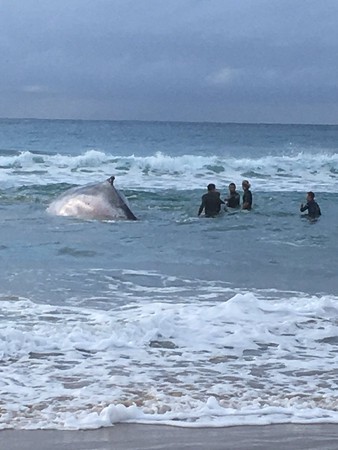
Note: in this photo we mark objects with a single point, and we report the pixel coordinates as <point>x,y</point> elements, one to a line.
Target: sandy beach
<point>147,437</point>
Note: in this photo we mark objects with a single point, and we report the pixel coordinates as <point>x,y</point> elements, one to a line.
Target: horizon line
<point>171,121</point>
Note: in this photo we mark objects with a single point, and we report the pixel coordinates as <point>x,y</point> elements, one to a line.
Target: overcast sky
<point>185,60</point>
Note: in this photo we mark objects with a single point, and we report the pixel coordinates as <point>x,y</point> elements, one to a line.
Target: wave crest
<point>161,171</point>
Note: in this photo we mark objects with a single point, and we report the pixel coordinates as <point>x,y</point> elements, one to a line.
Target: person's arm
<point>247,200</point>
<point>201,207</point>
<point>304,207</point>
<point>220,200</point>
<point>250,198</point>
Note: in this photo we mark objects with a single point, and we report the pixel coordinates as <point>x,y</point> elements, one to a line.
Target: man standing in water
<point>247,196</point>
<point>311,206</point>
<point>234,198</point>
<point>211,202</point>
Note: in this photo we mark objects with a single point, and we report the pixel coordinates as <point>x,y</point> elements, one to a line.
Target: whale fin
<point>93,201</point>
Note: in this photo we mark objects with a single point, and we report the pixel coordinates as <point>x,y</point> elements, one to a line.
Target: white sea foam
<point>173,356</point>
<point>159,171</point>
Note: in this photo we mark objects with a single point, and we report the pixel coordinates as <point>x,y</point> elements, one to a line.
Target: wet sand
<point>159,437</point>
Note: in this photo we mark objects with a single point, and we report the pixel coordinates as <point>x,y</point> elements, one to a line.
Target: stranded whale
<point>93,201</point>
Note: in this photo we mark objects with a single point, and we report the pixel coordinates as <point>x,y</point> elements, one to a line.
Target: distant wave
<point>161,171</point>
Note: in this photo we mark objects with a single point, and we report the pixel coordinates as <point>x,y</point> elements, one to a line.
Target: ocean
<point>171,319</point>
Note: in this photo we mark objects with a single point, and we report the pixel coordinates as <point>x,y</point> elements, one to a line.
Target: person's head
<point>245,185</point>
<point>211,187</point>
<point>232,187</point>
<point>310,196</point>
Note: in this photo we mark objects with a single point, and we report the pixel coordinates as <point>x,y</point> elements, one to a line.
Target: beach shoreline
<point>161,437</point>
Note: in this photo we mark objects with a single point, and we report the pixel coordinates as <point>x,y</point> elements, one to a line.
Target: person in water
<point>233,199</point>
<point>247,196</point>
<point>211,202</point>
<point>311,206</point>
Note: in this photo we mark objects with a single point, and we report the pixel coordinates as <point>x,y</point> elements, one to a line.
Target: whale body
<point>93,201</point>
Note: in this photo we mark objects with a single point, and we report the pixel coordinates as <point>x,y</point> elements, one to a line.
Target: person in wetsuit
<point>211,202</point>
<point>247,196</point>
<point>233,199</point>
<point>311,206</point>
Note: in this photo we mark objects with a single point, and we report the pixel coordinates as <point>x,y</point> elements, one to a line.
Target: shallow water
<point>172,318</point>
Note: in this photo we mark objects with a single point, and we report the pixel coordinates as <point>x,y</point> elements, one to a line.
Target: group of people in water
<point>211,201</point>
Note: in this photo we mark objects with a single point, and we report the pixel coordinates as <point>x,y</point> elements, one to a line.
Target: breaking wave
<point>161,171</point>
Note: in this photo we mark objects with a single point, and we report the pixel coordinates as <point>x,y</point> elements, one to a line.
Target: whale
<point>100,201</point>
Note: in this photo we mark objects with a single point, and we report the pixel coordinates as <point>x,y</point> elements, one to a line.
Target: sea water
<point>171,319</point>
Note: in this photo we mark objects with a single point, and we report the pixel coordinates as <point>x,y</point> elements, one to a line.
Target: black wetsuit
<point>247,199</point>
<point>233,200</point>
<point>211,203</point>
<point>313,209</point>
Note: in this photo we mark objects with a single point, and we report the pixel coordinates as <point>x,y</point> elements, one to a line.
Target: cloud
<point>223,76</point>
<point>35,89</point>
<point>154,59</point>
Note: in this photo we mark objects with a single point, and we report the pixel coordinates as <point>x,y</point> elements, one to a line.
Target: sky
<point>267,61</point>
